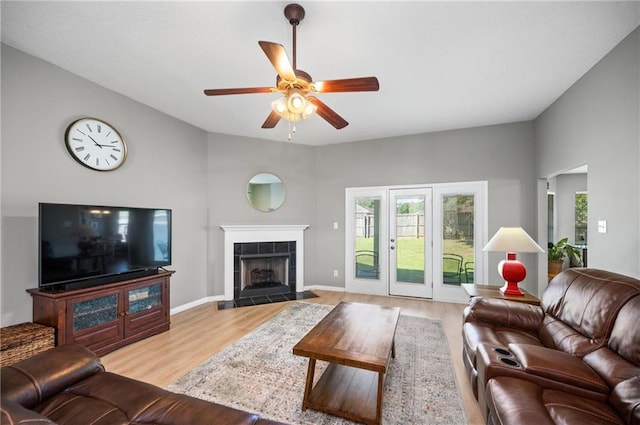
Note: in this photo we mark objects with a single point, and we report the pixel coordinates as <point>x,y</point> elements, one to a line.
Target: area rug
<point>260,374</point>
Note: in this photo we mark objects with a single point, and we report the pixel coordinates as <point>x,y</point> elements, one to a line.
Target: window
<point>581,219</point>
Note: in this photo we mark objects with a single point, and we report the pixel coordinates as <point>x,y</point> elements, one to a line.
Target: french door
<point>410,237</point>
<point>419,241</point>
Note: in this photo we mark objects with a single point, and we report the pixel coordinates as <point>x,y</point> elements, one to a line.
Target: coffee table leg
<point>393,348</point>
<point>379,404</point>
<point>309,385</point>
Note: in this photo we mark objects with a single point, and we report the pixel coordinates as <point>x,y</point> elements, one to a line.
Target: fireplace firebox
<point>264,274</point>
<point>264,268</point>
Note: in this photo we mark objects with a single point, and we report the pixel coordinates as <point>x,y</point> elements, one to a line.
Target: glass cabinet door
<point>144,298</point>
<point>94,312</point>
<point>95,320</point>
<point>146,306</point>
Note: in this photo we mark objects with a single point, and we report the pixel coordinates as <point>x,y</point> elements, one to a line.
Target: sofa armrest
<point>511,314</point>
<point>625,398</point>
<point>30,381</point>
<point>13,413</point>
<point>558,366</point>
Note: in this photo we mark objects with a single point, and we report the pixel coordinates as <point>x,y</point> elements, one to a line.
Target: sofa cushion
<point>109,399</point>
<point>515,401</point>
<point>625,337</point>
<point>587,301</point>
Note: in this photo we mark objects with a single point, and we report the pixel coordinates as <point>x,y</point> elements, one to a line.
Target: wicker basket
<point>21,341</point>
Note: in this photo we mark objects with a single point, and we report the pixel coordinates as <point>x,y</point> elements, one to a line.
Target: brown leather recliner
<point>68,385</point>
<point>578,352</point>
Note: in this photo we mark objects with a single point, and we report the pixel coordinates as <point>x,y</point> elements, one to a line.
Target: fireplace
<point>264,268</point>
<point>262,241</point>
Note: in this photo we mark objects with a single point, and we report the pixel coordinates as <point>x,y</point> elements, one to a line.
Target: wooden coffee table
<point>358,342</point>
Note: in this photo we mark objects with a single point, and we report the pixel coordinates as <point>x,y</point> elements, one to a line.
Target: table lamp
<point>512,240</point>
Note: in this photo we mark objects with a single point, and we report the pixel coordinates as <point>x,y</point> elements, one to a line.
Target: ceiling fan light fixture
<point>294,106</point>
<point>309,110</point>
<point>296,102</point>
<point>280,106</point>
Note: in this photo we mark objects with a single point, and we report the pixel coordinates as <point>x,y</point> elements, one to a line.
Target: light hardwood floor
<point>202,331</point>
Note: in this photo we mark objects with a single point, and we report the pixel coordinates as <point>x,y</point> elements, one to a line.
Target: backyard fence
<point>457,225</point>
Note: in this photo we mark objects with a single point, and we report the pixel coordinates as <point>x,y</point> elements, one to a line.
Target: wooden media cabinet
<point>106,317</point>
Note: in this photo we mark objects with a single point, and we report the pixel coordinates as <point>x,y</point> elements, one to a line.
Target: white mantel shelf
<point>262,227</point>
<point>246,233</point>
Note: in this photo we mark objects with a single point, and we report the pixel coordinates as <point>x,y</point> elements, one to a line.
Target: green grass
<point>410,261</point>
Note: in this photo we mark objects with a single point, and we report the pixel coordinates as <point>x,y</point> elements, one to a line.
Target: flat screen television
<point>87,245</point>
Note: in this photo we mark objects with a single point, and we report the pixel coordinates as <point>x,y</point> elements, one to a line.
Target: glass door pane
<point>458,230</point>
<point>366,232</point>
<point>367,238</point>
<point>409,246</point>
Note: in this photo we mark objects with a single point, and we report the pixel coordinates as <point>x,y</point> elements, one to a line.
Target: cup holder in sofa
<point>509,362</point>
<point>503,351</point>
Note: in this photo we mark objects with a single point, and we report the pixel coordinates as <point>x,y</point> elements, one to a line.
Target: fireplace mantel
<point>242,233</point>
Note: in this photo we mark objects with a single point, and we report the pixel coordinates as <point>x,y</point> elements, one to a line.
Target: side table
<point>493,291</point>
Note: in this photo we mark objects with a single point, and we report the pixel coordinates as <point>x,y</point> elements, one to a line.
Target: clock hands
<point>98,144</point>
<point>94,141</point>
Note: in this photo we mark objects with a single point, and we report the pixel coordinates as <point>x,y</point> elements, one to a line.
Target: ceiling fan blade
<point>271,120</point>
<point>327,113</point>
<point>348,85</point>
<point>279,59</point>
<point>245,90</point>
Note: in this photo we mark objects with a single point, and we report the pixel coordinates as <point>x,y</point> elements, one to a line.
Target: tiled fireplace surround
<point>262,239</point>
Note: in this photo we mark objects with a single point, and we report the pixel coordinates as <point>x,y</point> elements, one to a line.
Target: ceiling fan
<point>297,86</point>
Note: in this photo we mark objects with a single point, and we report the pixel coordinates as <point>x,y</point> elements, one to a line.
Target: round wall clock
<point>95,144</point>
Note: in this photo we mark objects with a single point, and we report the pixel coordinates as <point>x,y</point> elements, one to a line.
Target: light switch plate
<point>602,226</point>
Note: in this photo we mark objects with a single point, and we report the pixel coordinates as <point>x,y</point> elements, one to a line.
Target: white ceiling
<point>441,65</point>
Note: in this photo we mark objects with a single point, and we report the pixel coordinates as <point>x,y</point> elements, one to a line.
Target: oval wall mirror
<point>266,192</point>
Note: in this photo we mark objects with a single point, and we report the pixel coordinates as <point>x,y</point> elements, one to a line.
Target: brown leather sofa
<point>68,385</point>
<point>573,360</point>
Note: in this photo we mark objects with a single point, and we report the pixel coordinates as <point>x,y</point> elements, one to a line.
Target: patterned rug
<point>260,374</point>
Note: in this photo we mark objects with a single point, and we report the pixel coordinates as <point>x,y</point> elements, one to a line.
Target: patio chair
<point>451,269</point>
<point>367,264</point>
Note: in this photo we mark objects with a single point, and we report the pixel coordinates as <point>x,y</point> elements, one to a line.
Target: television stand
<point>106,317</point>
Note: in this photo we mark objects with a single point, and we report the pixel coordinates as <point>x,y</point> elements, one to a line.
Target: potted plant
<point>556,254</point>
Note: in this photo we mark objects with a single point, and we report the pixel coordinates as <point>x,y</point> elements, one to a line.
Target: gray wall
<point>166,168</point>
<point>596,122</point>
<point>316,179</point>
<point>232,162</point>
<point>500,154</point>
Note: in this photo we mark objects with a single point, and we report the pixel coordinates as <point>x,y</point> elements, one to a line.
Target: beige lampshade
<point>512,239</point>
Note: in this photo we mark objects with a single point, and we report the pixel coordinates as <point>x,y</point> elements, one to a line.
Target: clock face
<point>95,144</point>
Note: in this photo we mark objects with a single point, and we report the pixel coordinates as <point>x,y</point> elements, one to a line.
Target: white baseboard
<point>324,288</point>
<point>192,304</point>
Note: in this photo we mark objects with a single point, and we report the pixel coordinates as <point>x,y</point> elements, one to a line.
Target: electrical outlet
<point>602,226</point>
<point>335,273</point>
<point>335,225</point>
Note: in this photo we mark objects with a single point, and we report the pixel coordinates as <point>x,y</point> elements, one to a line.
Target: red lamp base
<point>511,288</point>
<point>512,271</point>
